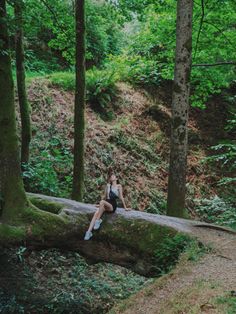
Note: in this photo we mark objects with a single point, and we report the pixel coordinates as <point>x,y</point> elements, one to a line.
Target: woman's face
<point>113,177</point>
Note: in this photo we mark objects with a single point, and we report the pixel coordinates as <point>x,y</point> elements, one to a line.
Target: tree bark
<point>80,89</point>
<point>180,109</point>
<point>20,71</point>
<point>12,194</point>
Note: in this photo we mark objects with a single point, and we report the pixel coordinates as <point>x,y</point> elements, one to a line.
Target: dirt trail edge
<point>207,285</point>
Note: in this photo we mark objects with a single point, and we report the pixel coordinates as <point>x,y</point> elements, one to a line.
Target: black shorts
<point>113,203</point>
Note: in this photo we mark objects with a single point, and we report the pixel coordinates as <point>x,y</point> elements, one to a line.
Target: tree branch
<point>214,64</point>
<point>200,28</point>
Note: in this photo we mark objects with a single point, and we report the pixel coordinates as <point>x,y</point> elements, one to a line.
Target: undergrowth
<point>217,210</point>
<point>52,281</point>
<point>100,86</point>
<point>229,301</point>
<point>170,249</point>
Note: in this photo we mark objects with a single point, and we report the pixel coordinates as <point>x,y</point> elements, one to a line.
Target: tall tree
<point>79,111</point>
<point>20,71</point>
<point>12,194</point>
<point>180,109</point>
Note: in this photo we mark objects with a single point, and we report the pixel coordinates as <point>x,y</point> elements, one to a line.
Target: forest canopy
<point>137,34</point>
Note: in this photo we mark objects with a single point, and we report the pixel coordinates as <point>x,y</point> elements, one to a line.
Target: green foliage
<point>168,254</point>
<point>144,152</point>
<point>135,69</point>
<point>216,210</point>
<point>226,153</point>
<point>66,80</point>
<point>157,203</point>
<point>100,86</point>
<point>50,29</point>
<point>41,63</point>
<point>230,301</point>
<point>154,40</point>
<point>42,275</point>
<point>101,89</point>
<point>9,304</point>
<point>46,205</point>
<point>49,171</point>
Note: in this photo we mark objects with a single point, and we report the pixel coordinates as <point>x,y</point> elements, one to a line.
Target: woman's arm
<point>122,198</point>
<point>104,197</point>
<point>105,194</point>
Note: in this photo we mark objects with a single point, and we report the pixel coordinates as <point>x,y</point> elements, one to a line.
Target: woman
<point>113,191</point>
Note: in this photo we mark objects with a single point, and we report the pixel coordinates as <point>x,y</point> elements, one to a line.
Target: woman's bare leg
<point>93,220</point>
<point>103,206</point>
<point>106,207</point>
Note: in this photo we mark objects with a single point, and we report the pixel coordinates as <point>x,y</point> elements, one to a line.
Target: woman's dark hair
<point>110,173</point>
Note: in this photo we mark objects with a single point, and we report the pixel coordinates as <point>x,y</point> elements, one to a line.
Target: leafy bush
<point>226,153</point>
<point>40,62</point>
<point>216,210</point>
<point>154,40</point>
<point>72,286</point>
<point>49,171</point>
<point>101,89</point>
<point>157,204</point>
<point>168,254</point>
<point>135,69</point>
<point>66,80</point>
<point>100,85</point>
<point>51,28</point>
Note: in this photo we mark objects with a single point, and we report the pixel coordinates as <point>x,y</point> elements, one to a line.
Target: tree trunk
<point>131,239</point>
<point>180,108</point>
<point>20,71</point>
<point>12,194</point>
<point>80,89</point>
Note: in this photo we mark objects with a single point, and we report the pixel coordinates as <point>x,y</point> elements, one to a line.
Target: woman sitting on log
<point>113,191</point>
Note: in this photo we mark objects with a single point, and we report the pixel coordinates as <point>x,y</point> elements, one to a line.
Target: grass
<point>65,80</point>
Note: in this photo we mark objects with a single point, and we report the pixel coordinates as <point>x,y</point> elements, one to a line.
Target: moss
<point>33,223</point>
<point>48,206</point>
<point>167,255</point>
<point>141,236</point>
<point>11,184</point>
<point>44,224</point>
<point>10,234</point>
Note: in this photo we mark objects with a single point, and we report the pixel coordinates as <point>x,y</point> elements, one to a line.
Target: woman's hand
<point>127,208</point>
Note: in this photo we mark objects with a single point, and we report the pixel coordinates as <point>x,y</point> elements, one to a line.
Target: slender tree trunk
<point>180,108</point>
<point>80,88</point>
<point>13,197</point>
<point>20,70</point>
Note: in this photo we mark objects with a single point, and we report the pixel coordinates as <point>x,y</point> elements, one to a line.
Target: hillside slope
<point>135,143</point>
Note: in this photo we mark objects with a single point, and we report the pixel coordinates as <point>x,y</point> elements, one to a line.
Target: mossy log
<point>129,239</point>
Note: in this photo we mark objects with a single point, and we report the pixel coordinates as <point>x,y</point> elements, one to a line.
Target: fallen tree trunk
<point>131,239</point>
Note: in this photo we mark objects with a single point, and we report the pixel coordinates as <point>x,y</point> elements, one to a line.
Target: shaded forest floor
<point>56,281</point>
<point>206,285</point>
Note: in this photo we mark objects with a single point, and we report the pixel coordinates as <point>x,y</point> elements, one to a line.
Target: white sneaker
<point>97,224</point>
<point>88,235</point>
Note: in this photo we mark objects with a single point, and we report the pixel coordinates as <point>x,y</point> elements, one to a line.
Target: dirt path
<point>192,287</point>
